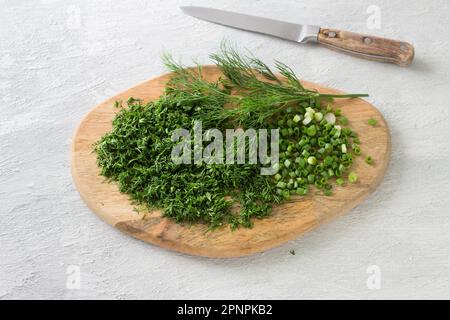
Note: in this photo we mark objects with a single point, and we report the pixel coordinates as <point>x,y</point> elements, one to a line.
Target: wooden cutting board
<point>287,221</point>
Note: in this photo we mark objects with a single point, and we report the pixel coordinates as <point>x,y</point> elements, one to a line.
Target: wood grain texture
<point>287,221</point>
<point>368,47</point>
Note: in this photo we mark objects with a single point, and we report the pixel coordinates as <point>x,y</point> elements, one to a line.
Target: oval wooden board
<point>287,221</point>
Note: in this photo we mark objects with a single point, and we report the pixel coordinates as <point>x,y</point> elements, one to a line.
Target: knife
<point>360,45</point>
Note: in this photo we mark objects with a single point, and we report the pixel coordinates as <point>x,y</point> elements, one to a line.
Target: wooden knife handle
<point>368,47</point>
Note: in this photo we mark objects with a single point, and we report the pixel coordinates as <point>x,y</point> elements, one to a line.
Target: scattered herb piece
<point>372,122</point>
<point>369,160</point>
<point>343,121</point>
<point>352,177</point>
<point>356,149</point>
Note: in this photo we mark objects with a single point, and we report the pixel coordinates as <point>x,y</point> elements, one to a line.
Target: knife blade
<point>281,29</point>
<point>360,45</point>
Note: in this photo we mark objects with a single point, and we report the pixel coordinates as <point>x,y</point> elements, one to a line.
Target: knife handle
<point>368,47</point>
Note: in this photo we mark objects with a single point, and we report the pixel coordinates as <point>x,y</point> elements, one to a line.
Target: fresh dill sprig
<point>249,83</point>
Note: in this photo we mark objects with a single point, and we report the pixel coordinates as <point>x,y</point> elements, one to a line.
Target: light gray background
<point>60,58</point>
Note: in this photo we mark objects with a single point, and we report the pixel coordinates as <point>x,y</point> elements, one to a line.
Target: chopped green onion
<point>328,161</point>
<point>352,177</point>
<point>343,120</point>
<point>330,118</point>
<point>310,111</point>
<point>312,160</point>
<point>287,163</point>
<point>369,160</point>
<point>311,130</point>
<point>318,116</point>
<point>307,120</point>
<point>337,131</point>
<point>281,185</point>
<point>372,122</point>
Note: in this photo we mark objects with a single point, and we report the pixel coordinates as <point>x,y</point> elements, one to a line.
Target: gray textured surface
<point>60,58</point>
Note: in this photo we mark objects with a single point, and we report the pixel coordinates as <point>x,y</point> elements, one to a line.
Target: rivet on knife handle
<point>368,47</point>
